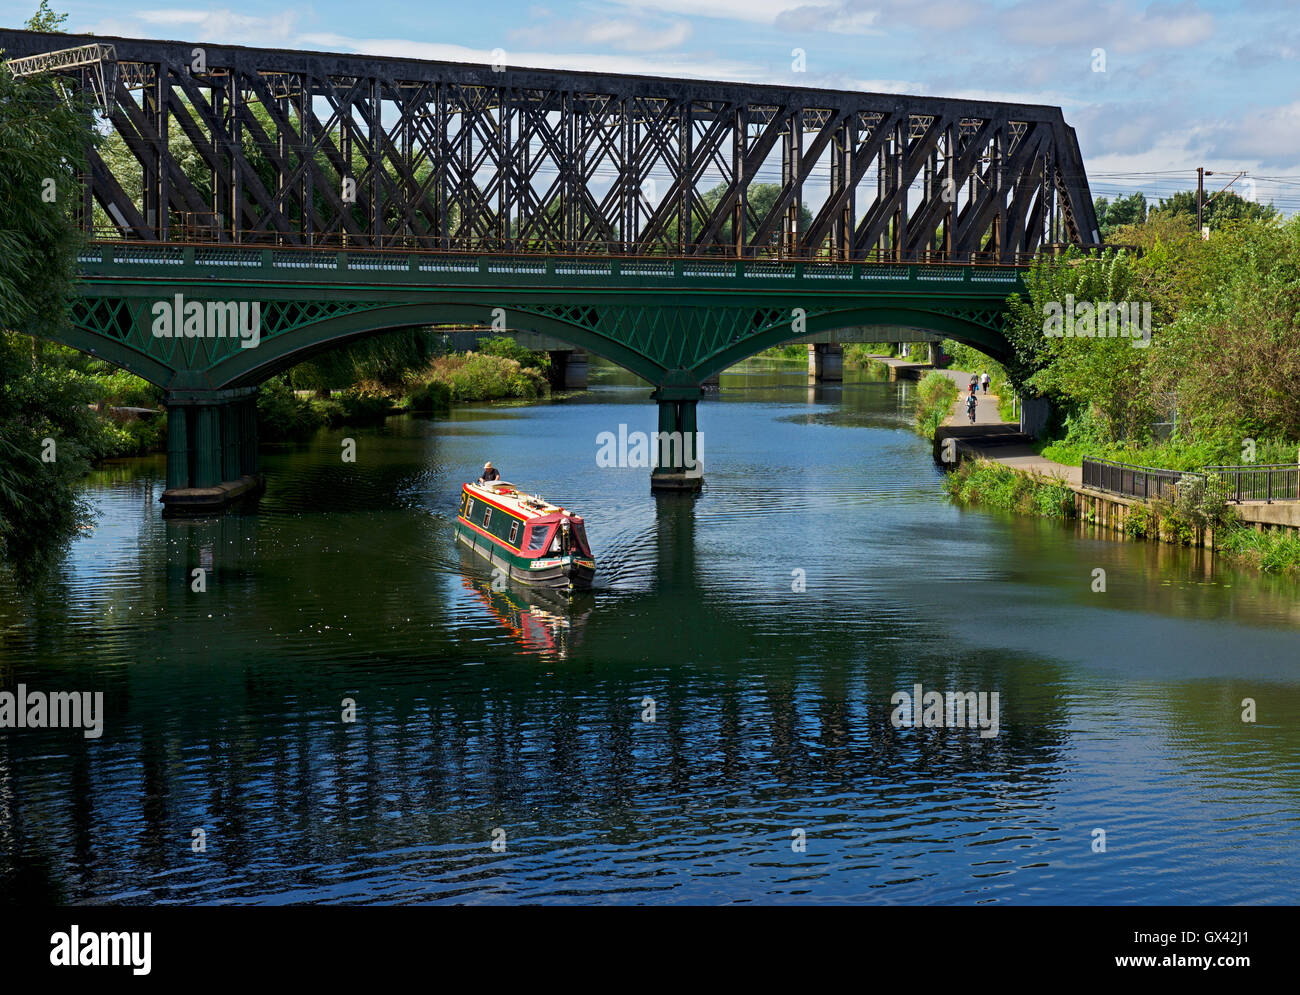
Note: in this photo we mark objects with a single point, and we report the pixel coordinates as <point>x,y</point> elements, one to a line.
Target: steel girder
<point>675,321</point>
<point>234,144</point>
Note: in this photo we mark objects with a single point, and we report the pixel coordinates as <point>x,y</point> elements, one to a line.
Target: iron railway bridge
<point>672,226</point>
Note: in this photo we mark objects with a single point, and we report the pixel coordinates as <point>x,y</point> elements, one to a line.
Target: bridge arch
<point>975,328</point>
<point>253,366</point>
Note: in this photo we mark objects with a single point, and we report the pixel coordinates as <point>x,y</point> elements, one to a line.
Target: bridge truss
<point>228,144</point>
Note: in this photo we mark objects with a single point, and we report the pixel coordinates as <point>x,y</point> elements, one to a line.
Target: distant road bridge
<point>672,226</point>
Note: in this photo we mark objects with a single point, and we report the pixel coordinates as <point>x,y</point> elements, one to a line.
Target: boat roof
<point>530,506</point>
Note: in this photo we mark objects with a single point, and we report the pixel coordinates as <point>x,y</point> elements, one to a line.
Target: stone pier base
<point>569,369</point>
<point>825,362</point>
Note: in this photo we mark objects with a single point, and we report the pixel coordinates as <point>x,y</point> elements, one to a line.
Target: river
<point>763,627</point>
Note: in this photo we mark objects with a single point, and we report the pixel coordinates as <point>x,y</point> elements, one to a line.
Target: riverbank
<point>992,464</point>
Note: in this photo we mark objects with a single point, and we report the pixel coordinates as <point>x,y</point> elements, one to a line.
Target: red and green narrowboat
<point>533,541</point>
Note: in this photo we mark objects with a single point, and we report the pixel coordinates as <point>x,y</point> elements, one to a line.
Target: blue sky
<point>1185,83</point>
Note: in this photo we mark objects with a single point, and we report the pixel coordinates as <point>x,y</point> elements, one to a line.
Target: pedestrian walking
<point>985,380</point>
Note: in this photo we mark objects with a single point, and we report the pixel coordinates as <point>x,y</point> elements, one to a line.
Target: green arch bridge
<point>168,314</point>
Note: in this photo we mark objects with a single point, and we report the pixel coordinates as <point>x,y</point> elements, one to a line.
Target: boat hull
<point>555,573</point>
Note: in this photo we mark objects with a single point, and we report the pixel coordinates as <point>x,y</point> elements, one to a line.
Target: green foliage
<point>361,407</point>
<point>45,19</point>
<point>122,389</point>
<point>1269,551</point>
<point>935,396</point>
<point>1229,352</point>
<point>284,416</point>
<point>989,484</point>
<point>43,134</point>
<point>790,350</point>
<point>134,438</point>
<point>1217,210</point>
<point>1141,522</point>
<point>481,377</point>
<point>432,395</point>
<point>1085,437</point>
<point>502,345</point>
<point>1175,526</point>
<point>40,506</point>
<point>379,361</point>
<point>1104,373</point>
<point>42,142</point>
<point>862,355</point>
<point>1130,210</point>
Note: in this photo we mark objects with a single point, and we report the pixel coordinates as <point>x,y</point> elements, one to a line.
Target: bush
<point>1140,523</point>
<point>433,395</point>
<point>499,345</point>
<point>121,389</point>
<point>480,377</point>
<point>1270,551</point>
<point>283,416</point>
<point>133,438</point>
<point>359,407</point>
<point>790,350</point>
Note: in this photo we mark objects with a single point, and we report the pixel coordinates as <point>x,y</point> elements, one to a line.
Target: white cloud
<point>1269,136</point>
<point>221,25</point>
<point>635,36</point>
<point>1119,24</point>
<point>684,65</point>
<point>754,11</point>
<point>626,34</point>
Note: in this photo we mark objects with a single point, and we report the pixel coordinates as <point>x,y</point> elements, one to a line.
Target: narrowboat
<point>533,541</point>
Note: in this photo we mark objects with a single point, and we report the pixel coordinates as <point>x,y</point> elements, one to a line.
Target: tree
<point>1130,210</point>
<point>45,19</point>
<point>1101,375</point>
<point>1217,208</point>
<point>47,432</point>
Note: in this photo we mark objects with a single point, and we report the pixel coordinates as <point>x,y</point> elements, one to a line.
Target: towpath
<point>997,440</point>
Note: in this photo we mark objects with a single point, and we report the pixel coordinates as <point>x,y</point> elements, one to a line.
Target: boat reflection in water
<point>543,622</point>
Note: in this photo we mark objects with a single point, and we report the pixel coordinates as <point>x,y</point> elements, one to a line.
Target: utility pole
<point>1201,202</point>
<point>1200,195</point>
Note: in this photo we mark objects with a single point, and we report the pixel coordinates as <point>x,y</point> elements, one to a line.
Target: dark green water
<point>479,710</point>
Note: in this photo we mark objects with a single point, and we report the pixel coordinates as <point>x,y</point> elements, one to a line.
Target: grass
<point>935,396</point>
<point>985,483</point>
<point>1172,454</point>
<point>1273,551</point>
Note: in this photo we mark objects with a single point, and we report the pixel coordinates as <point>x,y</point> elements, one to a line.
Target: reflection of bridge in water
<point>627,216</point>
<point>552,748</point>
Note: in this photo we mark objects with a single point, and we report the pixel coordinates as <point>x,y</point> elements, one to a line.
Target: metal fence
<point>1128,480</point>
<point>1259,481</point>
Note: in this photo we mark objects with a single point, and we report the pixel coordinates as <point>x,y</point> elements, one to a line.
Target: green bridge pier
<point>211,449</point>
